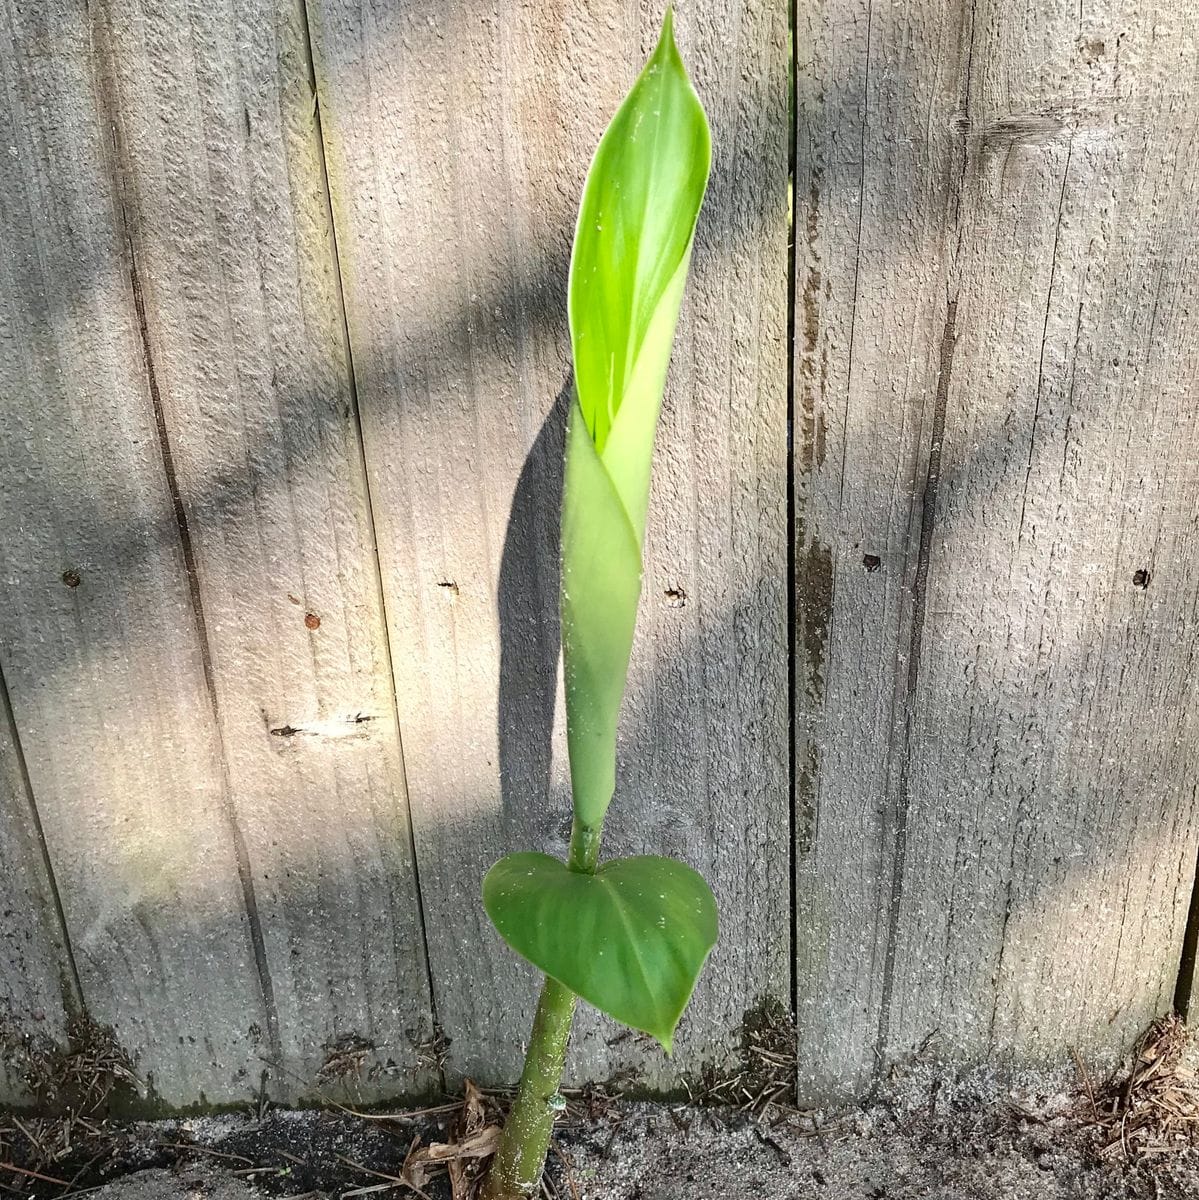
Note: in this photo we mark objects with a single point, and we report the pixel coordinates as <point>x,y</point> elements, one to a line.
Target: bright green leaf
<point>631,252</point>
<point>630,939</point>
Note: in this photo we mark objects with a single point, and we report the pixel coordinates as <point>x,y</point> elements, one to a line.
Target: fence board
<point>98,637</point>
<point>38,989</point>
<point>230,225</point>
<point>457,140</point>
<point>998,368</point>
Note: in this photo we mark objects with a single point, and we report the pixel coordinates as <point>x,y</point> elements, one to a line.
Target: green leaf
<point>601,583</point>
<point>630,939</point>
<point>629,265</point>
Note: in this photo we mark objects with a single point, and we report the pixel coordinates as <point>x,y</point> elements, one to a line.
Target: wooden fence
<point>281,333</point>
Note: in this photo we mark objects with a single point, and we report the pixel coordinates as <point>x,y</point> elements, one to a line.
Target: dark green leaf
<point>630,939</point>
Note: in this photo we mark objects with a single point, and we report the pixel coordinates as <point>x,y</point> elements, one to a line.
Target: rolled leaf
<point>631,253</point>
<point>630,939</point>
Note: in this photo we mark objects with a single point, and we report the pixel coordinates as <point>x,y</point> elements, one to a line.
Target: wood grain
<point>457,139</point>
<point>230,227</point>
<point>998,356</point>
<point>99,642</point>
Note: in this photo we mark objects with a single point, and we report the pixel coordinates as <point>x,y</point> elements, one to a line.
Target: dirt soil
<point>971,1139</point>
<point>928,1132</point>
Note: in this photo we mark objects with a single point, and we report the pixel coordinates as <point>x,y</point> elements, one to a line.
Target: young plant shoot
<point>629,936</point>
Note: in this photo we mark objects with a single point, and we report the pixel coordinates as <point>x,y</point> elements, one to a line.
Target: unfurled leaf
<point>631,253</point>
<point>630,939</point>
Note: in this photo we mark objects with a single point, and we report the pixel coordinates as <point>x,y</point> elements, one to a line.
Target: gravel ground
<point>979,1154</point>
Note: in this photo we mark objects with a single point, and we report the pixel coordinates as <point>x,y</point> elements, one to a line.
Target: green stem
<point>584,847</point>
<point>516,1170</point>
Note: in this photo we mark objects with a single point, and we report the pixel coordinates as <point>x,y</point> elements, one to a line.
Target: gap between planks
<point>792,527</point>
<point>72,988</point>
<point>376,564</point>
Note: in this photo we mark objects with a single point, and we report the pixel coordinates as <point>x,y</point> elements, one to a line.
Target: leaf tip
<point>666,43</point>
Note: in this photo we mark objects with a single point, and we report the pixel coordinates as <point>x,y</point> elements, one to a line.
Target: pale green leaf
<point>601,583</point>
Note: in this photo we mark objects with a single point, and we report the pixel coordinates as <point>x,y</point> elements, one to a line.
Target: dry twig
<point>1153,1108</point>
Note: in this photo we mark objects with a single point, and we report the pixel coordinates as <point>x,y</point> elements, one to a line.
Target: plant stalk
<point>584,847</point>
<point>516,1169</point>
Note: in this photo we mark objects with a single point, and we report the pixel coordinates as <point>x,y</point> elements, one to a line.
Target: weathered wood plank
<point>38,988</point>
<point>98,637</point>
<point>1077,680</point>
<point>1003,820</point>
<point>457,139</point>
<point>870,226</point>
<point>231,231</point>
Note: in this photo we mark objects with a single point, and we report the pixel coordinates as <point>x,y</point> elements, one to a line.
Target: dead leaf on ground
<point>482,1144</point>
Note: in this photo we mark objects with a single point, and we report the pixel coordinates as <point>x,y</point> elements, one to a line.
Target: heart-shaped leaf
<point>630,939</point>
